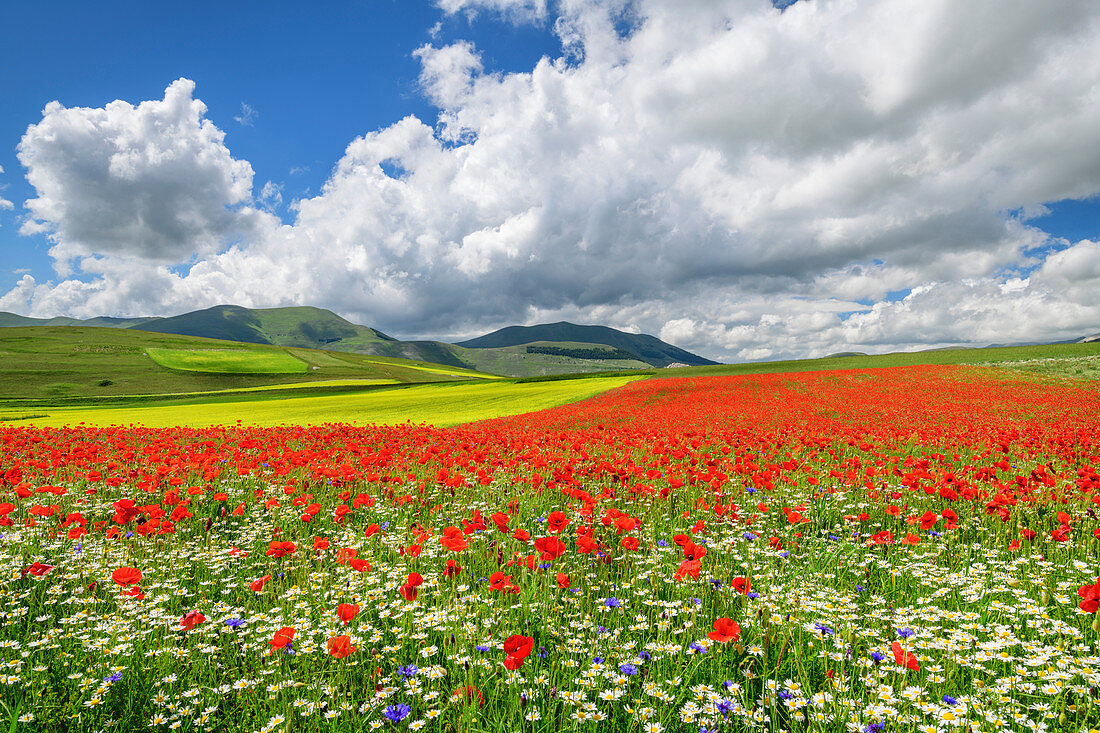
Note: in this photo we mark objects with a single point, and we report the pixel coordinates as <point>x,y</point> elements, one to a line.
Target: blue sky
<point>746,179</point>
<point>316,76</point>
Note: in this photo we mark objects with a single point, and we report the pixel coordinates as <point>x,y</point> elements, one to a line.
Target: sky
<point>745,179</point>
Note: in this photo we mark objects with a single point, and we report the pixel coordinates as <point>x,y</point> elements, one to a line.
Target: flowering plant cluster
<point>903,550</point>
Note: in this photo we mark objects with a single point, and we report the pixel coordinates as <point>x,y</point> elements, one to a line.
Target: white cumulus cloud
<point>745,182</point>
<point>153,181</point>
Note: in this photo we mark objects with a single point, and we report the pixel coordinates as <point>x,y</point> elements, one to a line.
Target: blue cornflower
<point>877,657</point>
<point>644,656</point>
<point>905,633</point>
<point>725,707</point>
<point>823,629</point>
<point>752,489</point>
<point>234,622</point>
<point>753,595</point>
<point>784,554</point>
<point>129,535</point>
<point>860,589</point>
<point>628,669</point>
<point>875,727</point>
<point>113,677</point>
<point>934,533</point>
<point>397,713</point>
<point>696,601</point>
<point>612,602</point>
<point>543,565</point>
<point>408,671</point>
<point>601,629</point>
<point>543,654</point>
<point>386,525</point>
<point>597,660</point>
<point>695,647</point>
<point>482,647</point>
<point>750,536</point>
<point>662,543</point>
<point>784,695</point>
<point>950,700</point>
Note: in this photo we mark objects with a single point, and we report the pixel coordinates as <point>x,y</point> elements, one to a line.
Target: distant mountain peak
<point>646,348</point>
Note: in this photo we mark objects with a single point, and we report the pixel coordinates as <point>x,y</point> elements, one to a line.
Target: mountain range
<point>517,351</point>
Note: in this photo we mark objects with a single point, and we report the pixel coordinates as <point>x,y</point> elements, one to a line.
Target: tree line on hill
<point>582,353</point>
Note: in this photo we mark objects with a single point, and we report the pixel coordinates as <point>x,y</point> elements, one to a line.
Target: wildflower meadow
<point>907,549</point>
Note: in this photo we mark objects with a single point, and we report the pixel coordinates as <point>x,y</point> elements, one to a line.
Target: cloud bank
<point>743,182</point>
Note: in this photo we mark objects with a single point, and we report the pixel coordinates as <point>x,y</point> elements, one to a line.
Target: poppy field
<point>907,549</point>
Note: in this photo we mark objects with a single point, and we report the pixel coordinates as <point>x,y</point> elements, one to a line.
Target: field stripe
<point>437,404</point>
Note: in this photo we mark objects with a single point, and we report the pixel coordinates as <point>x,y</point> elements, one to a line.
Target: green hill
<point>648,349</point>
<point>302,326</point>
<point>55,363</point>
<point>317,328</point>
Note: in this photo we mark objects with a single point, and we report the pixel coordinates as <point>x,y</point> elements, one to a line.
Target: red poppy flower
<point>320,543</point>
<point>625,524</point>
<point>522,535</point>
<point>36,569</point>
<point>127,576</point>
<point>551,548</point>
<point>1090,597</point>
<point>283,638</point>
<point>562,580</point>
<point>346,612</point>
<point>191,619</point>
<point>725,629</point>
<point>688,567</point>
<point>412,550</point>
<point>371,530</point>
<point>516,649</point>
<point>587,545</point>
<point>629,543</point>
<point>557,521</point>
<point>498,581</point>
<point>408,591</point>
<point>904,658</point>
<point>258,584</point>
<point>911,539</point>
<point>340,646</point>
<point>453,569</point>
<point>693,551</point>
<point>279,549</point>
<point>741,585</point>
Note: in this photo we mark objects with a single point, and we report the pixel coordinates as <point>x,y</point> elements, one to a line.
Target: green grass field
<point>227,361</point>
<point>51,365</point>
<point>438,404</point>
<point>1073,361</point>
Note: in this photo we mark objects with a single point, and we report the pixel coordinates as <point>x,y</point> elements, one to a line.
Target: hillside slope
<point>649,349</point>
<point>81,362</point>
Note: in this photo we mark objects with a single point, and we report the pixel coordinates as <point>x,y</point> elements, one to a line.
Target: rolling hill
<point>518,351</point>
<point>648,349</point>
<point>93,363</point>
